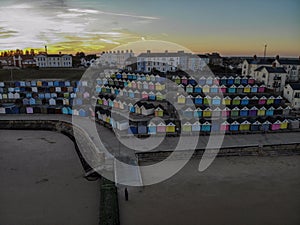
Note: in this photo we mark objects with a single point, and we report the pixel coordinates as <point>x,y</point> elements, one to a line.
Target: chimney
<point>255,57</point>
<point>46,51</point>
<point>277,57</point>
<point>148,51</point>
<point>274,64</point>
<point>59,53</point>
<point>166,51</point>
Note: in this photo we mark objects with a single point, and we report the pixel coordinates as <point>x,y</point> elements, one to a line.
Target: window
<point>264,75</point>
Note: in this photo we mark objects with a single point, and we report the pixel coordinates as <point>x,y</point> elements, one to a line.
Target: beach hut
<point>188,113</point>
<point>237,80</point>
<point>192,81</point>
<point>226,112</point>
<point>276,125</point>
<point>32,101</point>
<point>28,95</point>
<point>147,109</point>
<point>216,112</point>
<point>278,111</point>
<point>226,101</point>
<point>245,100</point>
<point>29,110</point>
<point>198,113</point>
<point>137,109</point>
<point>1,96</point>
<point>189,100</point>
<point>10,95</point>
<point>284,124</point>
<point>216,100</point>
<point>270,100</point>
<point>270,111</point>
<point>152,96</point>
<point>262,100</point>
<point>137,94</point>
<point>142,128</point>
<point>254,100</point>
<point>151,86</point>
<point>161,128</point>
<point>266,125</point>
<point>245,126</point>
<point>196,127</point>
<point>177,80</point>
<point>261,111</point>
<point>151,128</point>
<point>234,126</point>
<point>2,110</point>
<point>198,100</point>
<point>198,89</point>
<point>159,112</point>
<point>187,127</point>
<point>247,89</point>
<point>278,100</point>
<point>130,94</point>
<point>207,112</point>
<point>222,89</point>
<point>202,81</point>
<point>230,80</point>
<point>25,101</point>
<point>255,126</point>
<point>206,89</point>
<point>53,95</point>
<point>206,126</point>
<point>189,88</point>
<point>236,100</point>
<point>132,129</point>
<point>244,80</point>
<point>181,99</point>
<point>122,125</point>
<point>254,89</point>
<point>286,111</point>
<point>52,101</point>
<point>145,95</point>
<point>223,80</point>
<point>16,95</point>
<point>209,81</point>
<point>65,110</point>
<point>251,80</point>
<point>152,78</point>
<point>216,81</point>
<point>159,96</point>
<point>224,126</point>
<point>171,128</point>
<point>214,89</point>
<point>293,124</point>
<point>240,89</point>
<point>261,89</point>
<point>235,112</point>
<point>207,100</point>
<point>231,89</point>
<point>244,111</point>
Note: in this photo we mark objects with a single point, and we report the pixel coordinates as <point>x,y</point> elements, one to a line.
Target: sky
<point>232,27</point>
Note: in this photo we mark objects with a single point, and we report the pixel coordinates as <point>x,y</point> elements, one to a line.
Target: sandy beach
<point>42,181</point>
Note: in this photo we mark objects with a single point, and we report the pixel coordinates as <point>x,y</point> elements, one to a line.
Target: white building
<point>169,61</point>
<point>292,93</point>
<point>292,66</point>
<point>250,65</point>
<point>53,60</point>
<point>273,77</point>
<point>115,58</point>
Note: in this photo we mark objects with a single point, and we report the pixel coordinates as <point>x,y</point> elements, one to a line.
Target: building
<point>115,58</point>
<point>169,61</point>
<point>45,60</point>
<point>273,77</point>
<point>131,64</point>
<point>292,93</point>
<point>250,65</point>
<point>292,66</point>
<point>88,60</point>
<point>215,59</point>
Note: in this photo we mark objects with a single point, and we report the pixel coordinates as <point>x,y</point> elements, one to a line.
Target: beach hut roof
<point>206,123</point>
<point>237,98</point>
<point>255,86</point>
<point>288,107</point>
<point>227,97</point>
<point>235,123</point>
<point>267,122</point>
<point>217,109</point>
<point>171,124</point>
<point>233,86</point>
<point>263,108</point>
<point>245,122</point>
<point>225,123</point>
<point>246,98</point>
<point>235,108</point>
<point>279,108</point>
<point>271,108</point>
<point>216,97</point>
<point>277,122</point>
<point>161,124</point>
<point>207,109</point>
<point>198,96</point>
<point>197,123</point>
<point>187,123</point>
<point>254,98</point>
<point>245,108</point>
<point>272,97</point>
<point>159,109</point>
<point>240,86</point>
<point>263,97</point>
<point>188,110</point>
<point>198,110</point>
<point>279,97</point>
<point>256,123</point>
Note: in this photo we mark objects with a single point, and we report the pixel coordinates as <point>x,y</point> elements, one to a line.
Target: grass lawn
<point>36,74</point>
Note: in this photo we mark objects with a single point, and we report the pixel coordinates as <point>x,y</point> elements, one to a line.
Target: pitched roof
<point>271,69</point>
<point>295,86</point>
<point>289,61</point>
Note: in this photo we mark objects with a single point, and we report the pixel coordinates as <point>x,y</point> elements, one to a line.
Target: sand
<point>233,190</point>
<point>42,181</point>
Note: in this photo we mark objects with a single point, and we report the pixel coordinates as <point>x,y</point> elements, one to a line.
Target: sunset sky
<point>231,27</point>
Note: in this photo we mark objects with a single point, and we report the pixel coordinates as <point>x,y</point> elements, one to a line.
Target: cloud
<point>26,24</point>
